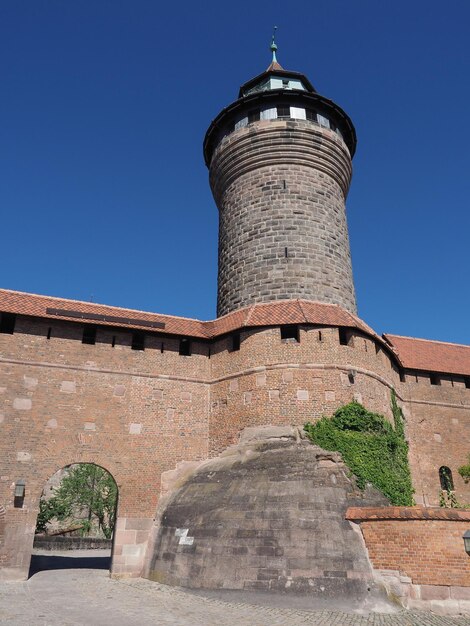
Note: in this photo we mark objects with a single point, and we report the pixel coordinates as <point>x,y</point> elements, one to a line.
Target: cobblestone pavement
<point>73,597</point>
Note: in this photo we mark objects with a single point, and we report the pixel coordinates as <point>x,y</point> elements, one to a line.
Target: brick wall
<point>424,544</point>
<point>140,413</point>
<point>438,430</point>
<point>135,413</point>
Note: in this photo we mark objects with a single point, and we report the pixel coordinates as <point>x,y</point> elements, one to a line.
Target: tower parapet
<point>279,161</point>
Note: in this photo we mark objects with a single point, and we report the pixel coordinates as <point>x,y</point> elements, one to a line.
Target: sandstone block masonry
<point>280,186</point>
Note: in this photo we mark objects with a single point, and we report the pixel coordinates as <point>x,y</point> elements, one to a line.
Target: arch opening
<point>76,519</point>
<point>446,479</point>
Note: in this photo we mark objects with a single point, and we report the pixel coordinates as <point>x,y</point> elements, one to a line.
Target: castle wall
<point>418,555</point>
<point>135,413</point>
<point>140,413</point>
<point>271,381</point>
<point>280,186</point>
<point>438,430</point>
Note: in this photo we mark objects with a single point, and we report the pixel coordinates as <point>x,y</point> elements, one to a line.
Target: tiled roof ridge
<point>99,304</point>
<point>445,343</point>
<point>299,302</point>
<point>250,310</point>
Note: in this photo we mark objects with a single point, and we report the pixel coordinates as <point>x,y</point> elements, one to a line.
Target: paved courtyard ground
<point>71,596</point>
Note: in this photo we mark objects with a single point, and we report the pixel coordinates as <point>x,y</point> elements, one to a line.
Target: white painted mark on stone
<point>184,540</point>
<point>23,456</point>
<point>52,423</point>
<point>135,429</point>
<point>89,426</point>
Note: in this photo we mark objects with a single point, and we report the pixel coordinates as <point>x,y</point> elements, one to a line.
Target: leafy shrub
<point>374,450</point>
<point>464,471</point>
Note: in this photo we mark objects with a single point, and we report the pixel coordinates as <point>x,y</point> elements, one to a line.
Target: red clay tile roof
<point>275,66</point>
<point>431,356</point>
<point>266,314</point>
<point>419,354</point>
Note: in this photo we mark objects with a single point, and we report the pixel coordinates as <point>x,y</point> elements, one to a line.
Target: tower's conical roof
<point>276,77</point>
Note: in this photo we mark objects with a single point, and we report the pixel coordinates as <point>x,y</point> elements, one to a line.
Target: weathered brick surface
<point>424,547</point>
<point>280,186</point>
<point>438,430</point>
<point>140,413</point>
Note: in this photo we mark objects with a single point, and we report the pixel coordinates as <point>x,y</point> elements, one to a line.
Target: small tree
<point>87,493</point>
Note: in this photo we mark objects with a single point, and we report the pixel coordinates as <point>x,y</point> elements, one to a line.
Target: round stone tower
<point>279,159</point>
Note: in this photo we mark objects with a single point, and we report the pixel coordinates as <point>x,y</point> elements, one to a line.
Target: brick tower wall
<point>280,186</point>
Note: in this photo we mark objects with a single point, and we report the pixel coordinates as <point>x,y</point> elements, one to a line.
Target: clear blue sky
<point>104,106</point>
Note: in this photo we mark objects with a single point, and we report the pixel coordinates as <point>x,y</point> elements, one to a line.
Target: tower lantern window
<point>323,121</point>
<point>283,111</point>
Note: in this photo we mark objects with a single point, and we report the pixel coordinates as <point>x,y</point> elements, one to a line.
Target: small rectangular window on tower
<point>253,116</point>
<point>185,347</point>
<point>89,334</point>
<point>283,111</point>
<point>346,337</point>
<point>7,323</point>
<point>138,341</point>
<point>311,115</point>
<point>235,342</point>
<point>435,380</point>
<point>290,333</point>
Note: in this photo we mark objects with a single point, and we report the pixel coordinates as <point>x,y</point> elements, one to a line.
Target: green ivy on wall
<point>374,450</point>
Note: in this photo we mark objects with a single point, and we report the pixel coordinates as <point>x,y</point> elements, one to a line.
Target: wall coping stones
<point>369,514</point>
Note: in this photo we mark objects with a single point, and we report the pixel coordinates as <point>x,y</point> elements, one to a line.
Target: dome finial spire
<point>273,46</point>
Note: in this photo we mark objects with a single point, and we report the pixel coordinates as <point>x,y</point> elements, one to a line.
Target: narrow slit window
<point>113,342</point>
<point>402,376</point>
<point>290,333</point>
<point>185,347</point>
<point>320,338</point>
<point>467,382</point>
<point>235,342</point>
<point>7,323</point>
<point>138,341</point>
<point>49,332</point>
